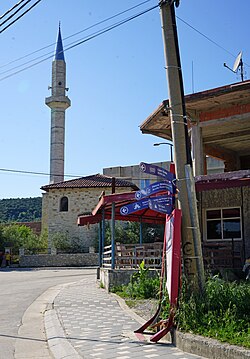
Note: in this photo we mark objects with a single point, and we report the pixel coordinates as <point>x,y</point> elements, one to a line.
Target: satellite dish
<point>237,62</point>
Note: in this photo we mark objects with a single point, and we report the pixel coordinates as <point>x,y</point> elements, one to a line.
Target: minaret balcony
<point>58,102</point>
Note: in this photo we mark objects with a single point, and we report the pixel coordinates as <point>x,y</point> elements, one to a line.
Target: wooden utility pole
<point>179,128</point>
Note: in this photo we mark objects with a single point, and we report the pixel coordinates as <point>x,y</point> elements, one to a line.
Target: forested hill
<point>21,209</point>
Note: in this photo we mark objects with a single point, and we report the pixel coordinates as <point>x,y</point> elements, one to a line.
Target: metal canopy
<point>223,114</point>
<point>120,199</point>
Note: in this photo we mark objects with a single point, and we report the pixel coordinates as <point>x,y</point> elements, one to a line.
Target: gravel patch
<point>145,308</point>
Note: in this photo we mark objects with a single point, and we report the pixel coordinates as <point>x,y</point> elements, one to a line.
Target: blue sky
<point>115,81</point>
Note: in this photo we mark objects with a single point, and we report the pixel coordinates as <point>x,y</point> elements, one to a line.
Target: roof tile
<point>92,181</point>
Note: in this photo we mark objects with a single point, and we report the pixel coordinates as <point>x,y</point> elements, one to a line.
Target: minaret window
<point>64,204</point>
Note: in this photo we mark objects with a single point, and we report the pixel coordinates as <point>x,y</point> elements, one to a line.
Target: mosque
<point>63,201</point>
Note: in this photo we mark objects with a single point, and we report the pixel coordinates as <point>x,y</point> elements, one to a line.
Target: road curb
<point>195,344</point>
<point>46,337</point>
<point>31,341</point>
<point>57,341</point>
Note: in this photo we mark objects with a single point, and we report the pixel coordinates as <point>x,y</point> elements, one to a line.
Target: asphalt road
<point>19,288</point>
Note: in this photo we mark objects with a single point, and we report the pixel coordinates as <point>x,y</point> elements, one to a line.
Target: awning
<point>120,199</point>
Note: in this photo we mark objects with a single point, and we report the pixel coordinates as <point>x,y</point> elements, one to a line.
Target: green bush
<point>141,285</point>
<point>62,242</point>
<point>222,312</point>
<point>129,232</point>
<point>20,236</point>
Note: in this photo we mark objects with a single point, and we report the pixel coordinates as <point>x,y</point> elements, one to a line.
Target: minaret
<point>58,103</point>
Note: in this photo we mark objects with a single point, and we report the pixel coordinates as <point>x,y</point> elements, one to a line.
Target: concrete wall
<point>59,260</point>
<point>111,278</point>
<point>115,277</point>
<point>133,173</point>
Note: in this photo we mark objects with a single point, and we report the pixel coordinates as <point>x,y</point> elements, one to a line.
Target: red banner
<point>173,254</point>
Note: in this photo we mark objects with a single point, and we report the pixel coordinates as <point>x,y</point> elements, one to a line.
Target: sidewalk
<point>87,322</point>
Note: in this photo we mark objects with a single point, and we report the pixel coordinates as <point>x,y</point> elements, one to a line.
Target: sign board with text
<point>162,204</point>
<point>156,171</point>
<point>155,187</point>
<point>134,207</point>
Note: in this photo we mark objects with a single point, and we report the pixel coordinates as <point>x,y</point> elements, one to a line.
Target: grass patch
<point>222,312</point>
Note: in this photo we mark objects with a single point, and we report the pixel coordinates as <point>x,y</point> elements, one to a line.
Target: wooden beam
<point>221,121</point>
<point>235,136</point>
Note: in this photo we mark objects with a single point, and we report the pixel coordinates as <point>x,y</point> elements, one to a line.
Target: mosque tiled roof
<point>92,181</point>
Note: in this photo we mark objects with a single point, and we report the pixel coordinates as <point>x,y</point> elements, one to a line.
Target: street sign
<point>154,188</point>
<point>162,204</point>
<point>134,207</point>
<point>157,171</point>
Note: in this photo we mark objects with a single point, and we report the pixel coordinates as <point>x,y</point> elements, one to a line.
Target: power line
<point>19,17</point>
<point>35,173</point>
<point>13,7</point>
<point>77,33</point>
<point>208,38</point>
<point>127,178</point>
<point>90,37</point>
<point>111,27</point>
<point>14,13</point>
<point>74,42</point>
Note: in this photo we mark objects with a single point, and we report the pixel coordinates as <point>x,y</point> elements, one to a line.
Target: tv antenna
<point>238,66</point>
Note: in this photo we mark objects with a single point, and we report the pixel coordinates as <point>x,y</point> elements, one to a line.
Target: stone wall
<point>59,260</point>
<point>80,201</point>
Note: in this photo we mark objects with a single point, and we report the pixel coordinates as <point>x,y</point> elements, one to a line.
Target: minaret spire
<point>59,55</point>
<point>58,102</point>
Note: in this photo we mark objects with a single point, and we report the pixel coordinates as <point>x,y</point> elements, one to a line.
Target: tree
<point>20,209</point>
<point>16,236</point>
<point>129,232</point>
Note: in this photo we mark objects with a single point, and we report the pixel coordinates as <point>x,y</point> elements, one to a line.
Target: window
<point>64,204</point>
<point>223,224</point>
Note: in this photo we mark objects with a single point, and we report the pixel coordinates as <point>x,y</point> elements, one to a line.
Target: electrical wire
<point>77,33</point>
<point>20,16</point>
<point>65,175</point>
<point>209,39</point>
<point>111,27</point>
<point>13,7</point>
<point>90,37</point>
<point>205,36</point>
<point>74,42</point>
<point>35,173</point>
<point>14,13</point>
<point>87,39</point>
